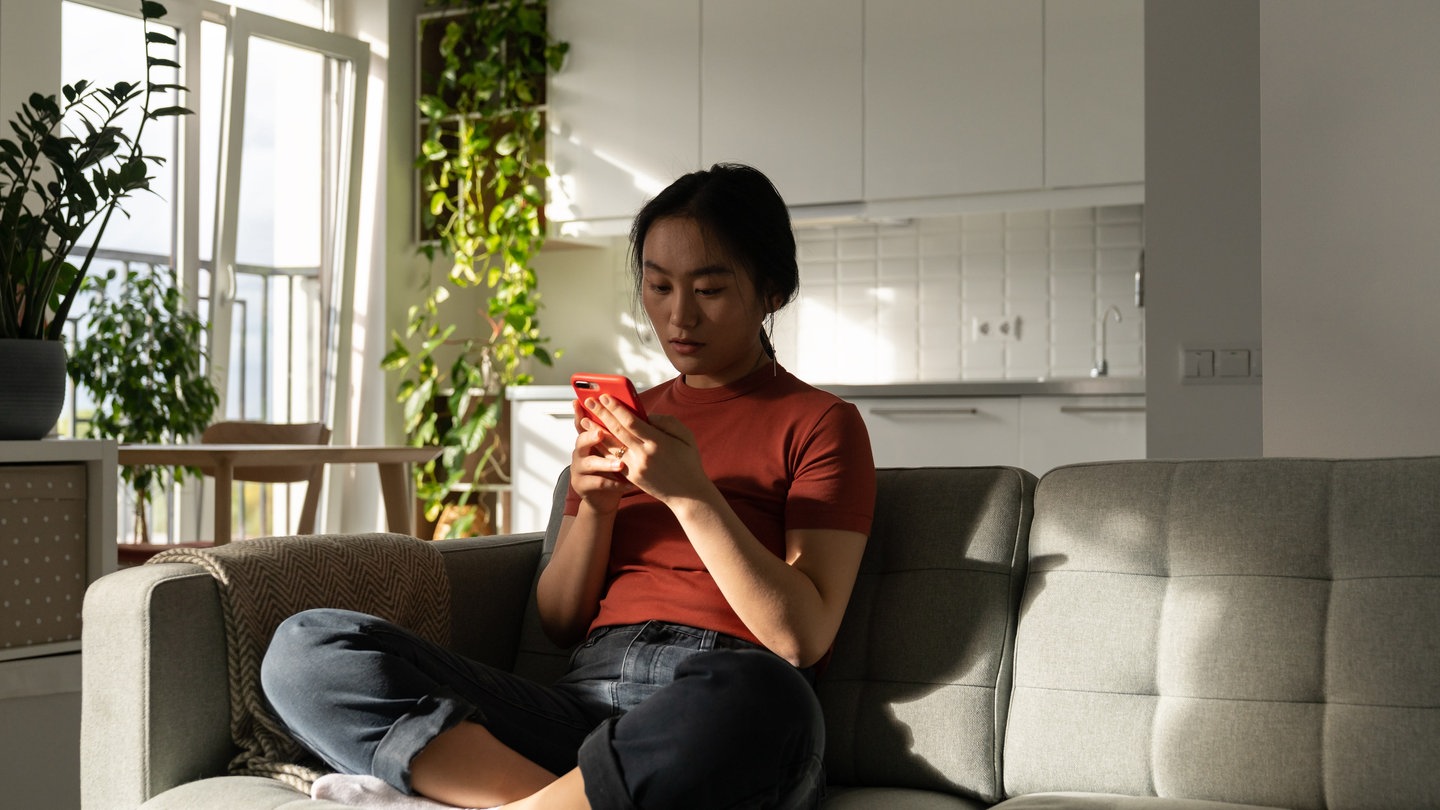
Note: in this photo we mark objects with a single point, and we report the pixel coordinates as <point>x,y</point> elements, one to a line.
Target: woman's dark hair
<point>738,207</point>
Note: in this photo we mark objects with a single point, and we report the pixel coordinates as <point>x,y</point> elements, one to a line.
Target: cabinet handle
<point>560,414</point>
<point>924,411</point>
<point>1102,409</point>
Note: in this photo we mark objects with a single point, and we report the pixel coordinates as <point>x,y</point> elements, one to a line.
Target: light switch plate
<point>1210,366</point>
<point>1199,363</point>
<point>1232,363</point>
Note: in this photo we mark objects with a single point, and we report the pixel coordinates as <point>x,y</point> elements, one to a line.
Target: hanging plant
<point>482,169</point>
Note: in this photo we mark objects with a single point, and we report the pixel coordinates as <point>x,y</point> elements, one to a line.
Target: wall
<point>1202,236</point>
<point>39,698</point>
<point>1351,180</point>
<point>29,58</point>
<point>1292,175</point>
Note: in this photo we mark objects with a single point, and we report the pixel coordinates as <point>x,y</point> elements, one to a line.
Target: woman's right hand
<point>597,471</point>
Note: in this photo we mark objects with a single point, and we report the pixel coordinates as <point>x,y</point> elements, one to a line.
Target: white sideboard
<point>57,535</point>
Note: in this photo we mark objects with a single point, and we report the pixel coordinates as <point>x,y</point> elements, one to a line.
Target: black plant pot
<point>32,387</point>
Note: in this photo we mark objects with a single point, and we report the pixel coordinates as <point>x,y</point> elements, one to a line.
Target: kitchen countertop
<point>1070,386</point>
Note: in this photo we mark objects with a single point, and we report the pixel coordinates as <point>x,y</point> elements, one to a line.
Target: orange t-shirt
<point>784,454</point>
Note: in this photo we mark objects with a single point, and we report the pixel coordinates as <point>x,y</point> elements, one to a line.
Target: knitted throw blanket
<point>265,580</point>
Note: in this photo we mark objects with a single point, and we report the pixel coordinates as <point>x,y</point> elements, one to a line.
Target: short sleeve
<point>834,483</point>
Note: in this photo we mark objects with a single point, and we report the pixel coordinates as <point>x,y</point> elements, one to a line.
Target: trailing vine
<point>482,168</point>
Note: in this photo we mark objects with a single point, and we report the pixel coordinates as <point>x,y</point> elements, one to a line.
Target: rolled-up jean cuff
<point>604,781</point>
<point>433,715</point>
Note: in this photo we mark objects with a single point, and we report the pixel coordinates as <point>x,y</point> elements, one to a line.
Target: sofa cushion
<point>1110,801</point>
<point>920,672</point>
<point>880,798</point>
<point>1258,631</point>
<point>250,792</point>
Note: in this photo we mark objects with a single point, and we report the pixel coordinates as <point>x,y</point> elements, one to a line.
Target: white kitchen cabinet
<point>1094,92</point>
<point>781,85</point>
<point>624,113</point>
<point>954,97</point>
<point>883,104</point>
<point>940,431</point>
<point>542,436</point>
<point>1055,431</point>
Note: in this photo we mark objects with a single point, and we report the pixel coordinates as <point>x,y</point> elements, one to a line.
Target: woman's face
<point>702,305</point>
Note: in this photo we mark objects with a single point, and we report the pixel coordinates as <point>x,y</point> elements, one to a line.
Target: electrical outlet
<point>994,328</point>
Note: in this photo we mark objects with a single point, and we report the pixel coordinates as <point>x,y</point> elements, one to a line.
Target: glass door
<point>280,272</point>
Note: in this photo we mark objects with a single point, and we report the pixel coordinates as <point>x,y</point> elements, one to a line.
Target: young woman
<point>704,562</point>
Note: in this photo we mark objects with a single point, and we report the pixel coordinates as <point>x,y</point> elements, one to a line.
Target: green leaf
<point>167,111</point>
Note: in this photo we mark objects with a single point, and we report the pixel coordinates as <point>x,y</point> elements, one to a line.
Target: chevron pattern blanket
<point>263,581</point>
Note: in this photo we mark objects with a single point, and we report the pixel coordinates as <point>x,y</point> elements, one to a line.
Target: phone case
<point>616,385</point>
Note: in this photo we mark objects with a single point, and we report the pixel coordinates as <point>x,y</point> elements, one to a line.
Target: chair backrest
<point>236,432</point>
<point>1254,631</point>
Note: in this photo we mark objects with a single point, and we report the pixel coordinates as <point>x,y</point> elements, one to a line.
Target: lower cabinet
<point>1067,430</point>
<point>942,432</point>
<point>542,436</point>
<point>1035,432</point>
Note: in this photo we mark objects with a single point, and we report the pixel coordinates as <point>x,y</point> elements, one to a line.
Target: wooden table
<point>221,461</point>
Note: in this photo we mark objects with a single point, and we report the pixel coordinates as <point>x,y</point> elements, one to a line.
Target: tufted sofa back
<point>916,693</point>
<point>1260,631</point>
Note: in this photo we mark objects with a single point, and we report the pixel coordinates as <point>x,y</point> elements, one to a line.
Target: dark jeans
<point>655,715</point>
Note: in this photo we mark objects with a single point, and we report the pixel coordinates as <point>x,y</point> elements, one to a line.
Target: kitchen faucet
<point>1102,369</point>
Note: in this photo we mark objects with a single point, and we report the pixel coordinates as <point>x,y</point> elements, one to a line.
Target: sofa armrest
<point>491,581</point>
<point>155,703</point>
<point>155,708</point>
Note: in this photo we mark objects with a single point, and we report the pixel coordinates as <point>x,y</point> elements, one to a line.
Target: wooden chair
<point>254,433</point>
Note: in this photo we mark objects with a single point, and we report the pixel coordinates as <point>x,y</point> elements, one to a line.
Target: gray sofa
<point>1147,634</point>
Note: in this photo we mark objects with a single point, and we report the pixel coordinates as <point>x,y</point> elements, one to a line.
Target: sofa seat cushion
<point>1111,801</point>
<point>871,798</point>
<point>250,792</point>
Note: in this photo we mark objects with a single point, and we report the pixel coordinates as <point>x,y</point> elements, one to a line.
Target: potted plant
<point>64,175</point>
<point>483,173</point>
<point>139,356</point>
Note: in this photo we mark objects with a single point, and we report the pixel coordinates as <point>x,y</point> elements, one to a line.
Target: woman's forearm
<point>569,590</point>
<point>780,604</point>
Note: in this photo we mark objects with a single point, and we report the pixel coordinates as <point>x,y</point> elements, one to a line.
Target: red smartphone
<point>616,385</point>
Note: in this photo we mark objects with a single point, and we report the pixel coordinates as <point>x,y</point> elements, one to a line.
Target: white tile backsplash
<point>896,302</point>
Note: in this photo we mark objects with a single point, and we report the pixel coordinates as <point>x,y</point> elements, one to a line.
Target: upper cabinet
<point>954,97</point>
<point>624,113</point>
<point>780,89</point>
<point>1094,92</point>
<point>873,104</point>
